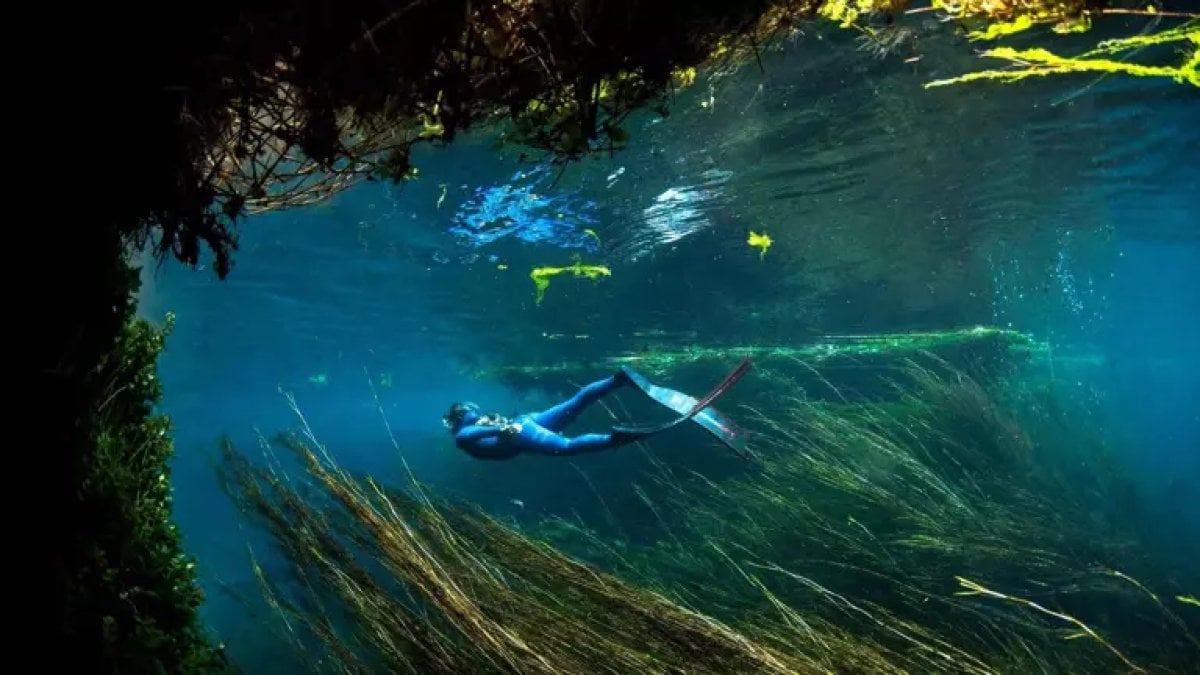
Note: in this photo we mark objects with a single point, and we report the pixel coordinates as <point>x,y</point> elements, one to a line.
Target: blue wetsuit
<point>540,433</point>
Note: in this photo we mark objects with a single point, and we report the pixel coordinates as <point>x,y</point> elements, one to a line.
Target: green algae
<point>830,348</point>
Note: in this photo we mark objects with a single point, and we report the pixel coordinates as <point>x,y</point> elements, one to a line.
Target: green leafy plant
<point>132,602</point>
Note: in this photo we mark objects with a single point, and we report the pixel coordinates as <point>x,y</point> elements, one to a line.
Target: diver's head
<point>461,415</point>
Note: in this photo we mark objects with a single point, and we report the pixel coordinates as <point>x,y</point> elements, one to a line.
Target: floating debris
<point>1001,29</point>
<point>760,241</point>
<point>541,275</point>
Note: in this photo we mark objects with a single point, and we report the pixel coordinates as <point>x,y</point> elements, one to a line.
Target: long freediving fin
<point>692,409</point>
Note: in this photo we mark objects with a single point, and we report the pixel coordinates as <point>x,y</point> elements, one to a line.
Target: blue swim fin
<point>690,408</point>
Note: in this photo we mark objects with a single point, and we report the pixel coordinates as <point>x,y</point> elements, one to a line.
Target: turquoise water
<point>1062,208</point>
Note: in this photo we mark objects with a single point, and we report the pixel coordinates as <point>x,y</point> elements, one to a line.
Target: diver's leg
<point>558,417</point>
<point>586,443</point>
<point>538,440</point>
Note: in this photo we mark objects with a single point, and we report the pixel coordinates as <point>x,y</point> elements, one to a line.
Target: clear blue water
<point>1064,208</point>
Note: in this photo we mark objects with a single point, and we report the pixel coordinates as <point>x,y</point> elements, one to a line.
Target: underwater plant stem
<point>1143,12</point>
<point>1154,596</point>
<point>976,589</point>
<point>1040,63</point>
<point>387,425</point>
<point>658,516</point>
<point>608,514</point>
<point>972,664</point>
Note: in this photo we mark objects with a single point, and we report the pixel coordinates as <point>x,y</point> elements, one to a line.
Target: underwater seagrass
<point>830,351</point>
<point>928,536</point>
<point>939,519</point>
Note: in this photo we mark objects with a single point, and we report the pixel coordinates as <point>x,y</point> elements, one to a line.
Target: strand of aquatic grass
<point>1153,596</point>
<point>595,540</point>
<point>974,588</point>
<point>917,594</point>
<point>608,514</point>
<point>1041,63</point>
<point>820,433</point>
<point>1184,32</point>
<point>637,489</point>
<point>883,664</point>
<point>948,654</point>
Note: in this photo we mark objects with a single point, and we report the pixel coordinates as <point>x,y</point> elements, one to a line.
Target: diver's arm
<point>484,441</point>
<point>477,432</point>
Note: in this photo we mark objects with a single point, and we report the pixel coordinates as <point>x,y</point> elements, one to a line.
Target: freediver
<point>495,437</point>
